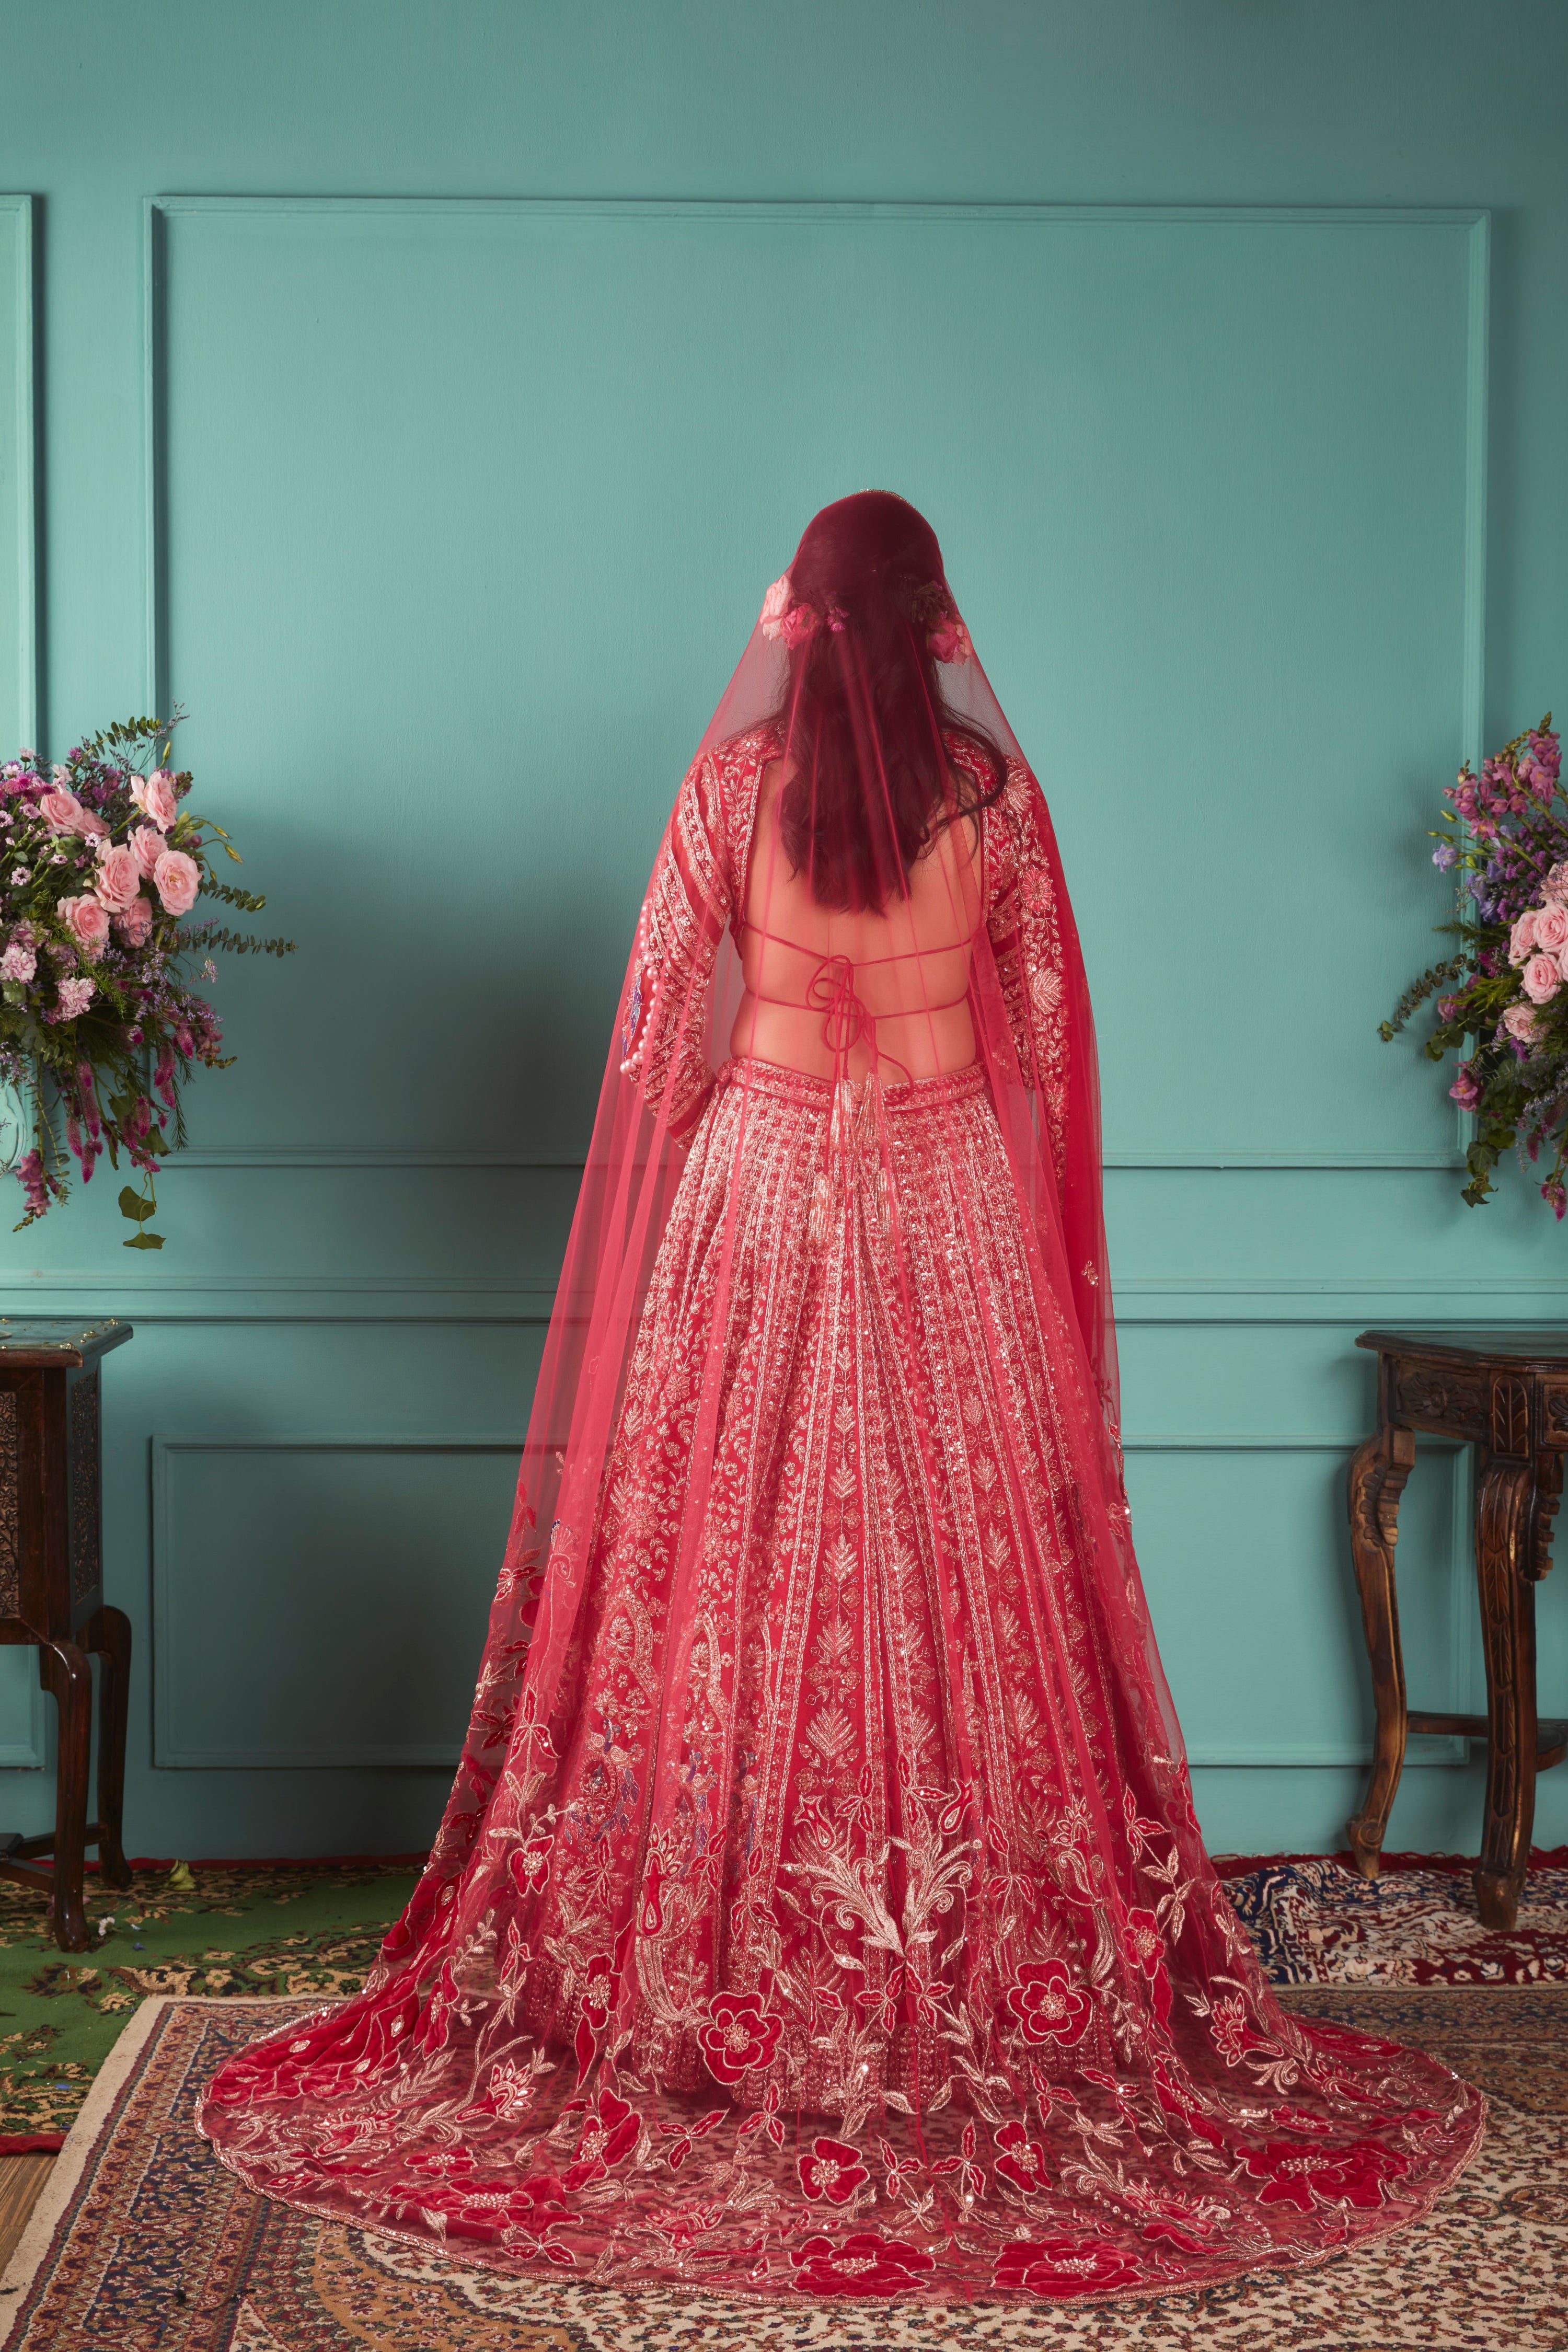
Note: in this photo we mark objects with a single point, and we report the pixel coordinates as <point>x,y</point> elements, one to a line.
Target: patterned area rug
<point>233,1931</point>
<point>141,2239</point>
<point>1316,1922</point>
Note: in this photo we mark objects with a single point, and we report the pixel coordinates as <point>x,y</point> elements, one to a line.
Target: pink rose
<point>1542,978</point>
<point>1522,938</point>
<point>119,878</point>
<point>1551,929</point>
<point>775,605</point>
<point>135,922</point>
<point>87,919</point>
<point>801,622</point>
<point>154,796</point>
<point>1522,1023</point>
<point>149,845</point>
<point>949,640</point>
<point>19,962</point>
<point>63,812</point>
<point>178,878</point>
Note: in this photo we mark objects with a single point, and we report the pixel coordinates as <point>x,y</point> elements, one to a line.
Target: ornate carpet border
<point>71,2177</point>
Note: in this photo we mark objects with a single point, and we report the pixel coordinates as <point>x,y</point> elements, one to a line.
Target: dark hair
<point>863,713</point>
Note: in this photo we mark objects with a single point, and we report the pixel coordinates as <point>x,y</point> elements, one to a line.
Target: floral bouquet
<point>1507,1016</point>
<point>101,865</point>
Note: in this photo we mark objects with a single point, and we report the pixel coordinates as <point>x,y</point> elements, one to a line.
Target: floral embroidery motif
<point>1063,2267</point>
<point>1048,2004</point>
<point>609,2134</point>
<point>862,2264</point>
<point>833,2170</point>
<point>1305,2177</point>
<point>739,2035</point>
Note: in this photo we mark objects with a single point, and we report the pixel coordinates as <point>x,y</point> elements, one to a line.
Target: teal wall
<point>424,395</point>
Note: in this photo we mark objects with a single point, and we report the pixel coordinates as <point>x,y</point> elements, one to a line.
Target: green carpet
<point>233,1930</point>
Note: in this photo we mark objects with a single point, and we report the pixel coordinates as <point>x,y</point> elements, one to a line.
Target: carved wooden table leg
<point>107,1633</point>
<point>64,1669</point>
<point>1378,1472</point>
<point>1504,1515</point>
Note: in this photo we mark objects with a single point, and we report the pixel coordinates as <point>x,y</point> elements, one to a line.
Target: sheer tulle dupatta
<point>820,1905</point>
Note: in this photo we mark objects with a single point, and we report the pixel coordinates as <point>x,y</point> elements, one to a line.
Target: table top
<point>1520,1342</point>
<point>35,1342</point>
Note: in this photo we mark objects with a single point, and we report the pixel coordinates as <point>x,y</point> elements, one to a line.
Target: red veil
<point>820,1905</point>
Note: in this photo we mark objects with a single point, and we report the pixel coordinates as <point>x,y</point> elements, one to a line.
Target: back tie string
<point>854,1143</point>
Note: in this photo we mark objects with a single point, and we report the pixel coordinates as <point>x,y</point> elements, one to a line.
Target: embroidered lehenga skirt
<point>846,1928</point>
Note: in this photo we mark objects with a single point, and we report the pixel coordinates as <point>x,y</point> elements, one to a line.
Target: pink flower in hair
<point>775,605</point>
<point>798,623</point>
<point>949,641</point>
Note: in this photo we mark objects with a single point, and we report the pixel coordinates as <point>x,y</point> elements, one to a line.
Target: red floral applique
<point>1305,2177</point>
<point>609,2134</point>
<point>1023,2160</point>
<point>862,2264</point>
<point>833,2170</point>
<point>1064,2266</point>
<point>530,1866</point>
<point>739,2034</point>
<point>1048,2004</point>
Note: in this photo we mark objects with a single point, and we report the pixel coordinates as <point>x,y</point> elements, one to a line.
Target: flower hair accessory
<point>946,638</point>
<point>794,620</point>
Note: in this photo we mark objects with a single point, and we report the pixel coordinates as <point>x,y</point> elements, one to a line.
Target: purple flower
<point>1465,1091</point>
<point>1445,854</point>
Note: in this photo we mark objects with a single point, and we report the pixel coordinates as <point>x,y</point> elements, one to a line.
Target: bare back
<point>837,994</point>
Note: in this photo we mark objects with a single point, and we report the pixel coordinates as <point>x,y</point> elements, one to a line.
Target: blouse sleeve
<point>665,1013</point>
<point>1022,921</point>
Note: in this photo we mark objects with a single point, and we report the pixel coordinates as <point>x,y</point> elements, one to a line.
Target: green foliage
<point>139,1207</point>
<point>250,902</point>
<point>1417,992</point>
<point>241,943</point>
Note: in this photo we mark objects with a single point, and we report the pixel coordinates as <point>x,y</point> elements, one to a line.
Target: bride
<point>820,1907</point>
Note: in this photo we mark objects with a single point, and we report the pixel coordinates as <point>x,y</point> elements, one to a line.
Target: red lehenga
<point>820,1907</point>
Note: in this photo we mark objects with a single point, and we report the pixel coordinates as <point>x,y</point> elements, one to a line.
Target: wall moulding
<point>1218,1163</point>
<point>334,1298</point>
<point>1464,365</point>
<point>173,1596</point>
<point>1307,1754</point>
<point>174,1750</point>
<point>20,606</point>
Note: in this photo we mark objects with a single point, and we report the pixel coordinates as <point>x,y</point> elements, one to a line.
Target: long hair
<point>868,730</point>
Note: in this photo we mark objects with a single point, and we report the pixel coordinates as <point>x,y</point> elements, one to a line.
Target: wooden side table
<point>1506,1393</point>
<point>51,1594</point>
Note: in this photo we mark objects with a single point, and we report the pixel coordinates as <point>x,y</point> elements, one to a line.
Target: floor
<point>22,2178</point>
